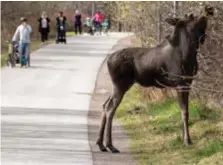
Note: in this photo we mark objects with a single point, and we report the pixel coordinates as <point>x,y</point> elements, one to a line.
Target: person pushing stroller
<point>61,28</point>
<point>97,20</point>
<point>22,34</point>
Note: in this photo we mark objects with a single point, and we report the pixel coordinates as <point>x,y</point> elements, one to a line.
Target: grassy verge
<point>155,130</point>
<point>70,34</point>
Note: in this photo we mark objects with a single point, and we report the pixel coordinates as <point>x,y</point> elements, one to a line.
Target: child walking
<point>105,25</point>
<point>88,23</point>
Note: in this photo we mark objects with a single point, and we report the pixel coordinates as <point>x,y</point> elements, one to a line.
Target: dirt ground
<point>120,139</point>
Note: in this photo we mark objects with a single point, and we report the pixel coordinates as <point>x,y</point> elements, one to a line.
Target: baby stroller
<point>61,29</point>
<point>97,28</point>
<point>61,35</point>
<point>13,54</point>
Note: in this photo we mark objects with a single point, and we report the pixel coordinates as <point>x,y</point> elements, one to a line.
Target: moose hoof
<point>102,147</point>
<point>113,149</point>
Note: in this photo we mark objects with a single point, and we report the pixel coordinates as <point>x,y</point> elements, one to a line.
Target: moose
<point>173,63</point>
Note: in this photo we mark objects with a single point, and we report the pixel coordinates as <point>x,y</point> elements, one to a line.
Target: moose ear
<point>209,11</point>
<point>172,21</point>
<point>191,17</point>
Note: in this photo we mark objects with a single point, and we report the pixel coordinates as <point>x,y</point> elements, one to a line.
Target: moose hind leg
<point>183,102</point>
<point>101,132</point>
<point>110,111</point>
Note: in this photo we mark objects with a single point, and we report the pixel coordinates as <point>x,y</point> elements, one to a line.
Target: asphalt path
<point>44,108</point>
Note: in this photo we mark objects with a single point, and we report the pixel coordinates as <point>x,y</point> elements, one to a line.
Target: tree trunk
<point>175,8</point>
<point>159,22</point>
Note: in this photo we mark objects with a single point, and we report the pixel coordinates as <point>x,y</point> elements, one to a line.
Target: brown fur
<point>170,64</point>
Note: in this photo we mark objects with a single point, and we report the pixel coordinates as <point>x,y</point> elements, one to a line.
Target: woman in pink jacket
<point>98,19</point>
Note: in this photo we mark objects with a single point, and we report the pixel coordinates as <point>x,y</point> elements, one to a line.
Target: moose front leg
<point>183,102</point>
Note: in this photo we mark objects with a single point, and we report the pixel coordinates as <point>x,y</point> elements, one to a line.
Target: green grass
<point>3,58</point>
<point>155,130</point>
<point>70,34</point>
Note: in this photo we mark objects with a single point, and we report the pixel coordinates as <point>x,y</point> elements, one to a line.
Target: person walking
<point>22,34</point>
<point>44,27</point>
<point>98,19</point>
<point>77,23</point>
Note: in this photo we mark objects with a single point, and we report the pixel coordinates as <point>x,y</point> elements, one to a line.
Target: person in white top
<point>22,34</point>
<point>44,26</point>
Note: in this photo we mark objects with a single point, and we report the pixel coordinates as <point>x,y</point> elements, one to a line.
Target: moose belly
<point>157,81</point>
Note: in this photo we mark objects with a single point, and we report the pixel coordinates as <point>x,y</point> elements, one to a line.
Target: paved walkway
<point>45,107</point>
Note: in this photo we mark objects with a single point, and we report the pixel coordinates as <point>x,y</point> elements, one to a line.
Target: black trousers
<point>77,28</point>
<point>44,34</point>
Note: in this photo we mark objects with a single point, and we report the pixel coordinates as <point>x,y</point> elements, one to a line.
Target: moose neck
<point>184,43</point>
<point>181,40</point>
<point>198,33</point>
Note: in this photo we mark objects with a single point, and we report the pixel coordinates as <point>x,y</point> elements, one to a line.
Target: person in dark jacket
<point>44,27</point>
<point>77,23</point>
<point>109,22</point>
<point>61,27</point>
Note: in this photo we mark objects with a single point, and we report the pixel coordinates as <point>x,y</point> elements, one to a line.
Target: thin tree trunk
<point>175,8</point>
<point>180,9</point>
<point>159,22</point>
<point>92,8</point>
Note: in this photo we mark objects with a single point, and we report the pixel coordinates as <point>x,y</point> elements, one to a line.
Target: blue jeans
<point>24,52</point>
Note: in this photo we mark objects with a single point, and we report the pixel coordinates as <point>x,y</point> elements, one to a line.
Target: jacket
<point>22,34</point>
<point>48,24</point>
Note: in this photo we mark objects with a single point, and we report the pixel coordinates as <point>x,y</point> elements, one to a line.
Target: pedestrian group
<point>93,25</point>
